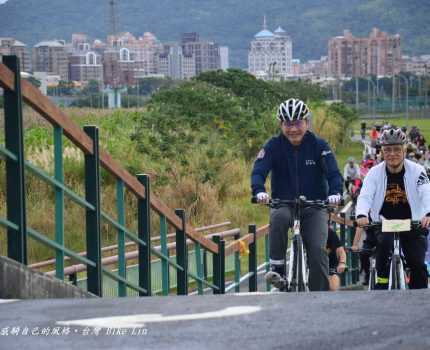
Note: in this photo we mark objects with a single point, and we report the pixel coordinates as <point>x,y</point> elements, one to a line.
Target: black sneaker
<point>276,277</point>
<point>381,286</point>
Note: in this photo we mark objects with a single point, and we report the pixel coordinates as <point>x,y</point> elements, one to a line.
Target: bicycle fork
<point>396,268</point>
<point>297,272</point>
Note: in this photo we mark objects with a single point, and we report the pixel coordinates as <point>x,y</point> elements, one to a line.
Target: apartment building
<point>11,46</point>
<point>51,57</point>
<point>206,53</point>
<point>270,54</point>
<point>378,54</point>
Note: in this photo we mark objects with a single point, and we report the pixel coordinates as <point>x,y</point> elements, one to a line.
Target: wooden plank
<point>263,231</point>
<point>43,105</point>
<point>162,208</point>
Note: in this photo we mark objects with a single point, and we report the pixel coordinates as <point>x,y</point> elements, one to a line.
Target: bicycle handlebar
<point>361,250</point>
<point>378,225</point>
<point>301,201</point>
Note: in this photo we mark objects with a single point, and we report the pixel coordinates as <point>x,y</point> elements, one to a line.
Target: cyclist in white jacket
<point>397,188</point>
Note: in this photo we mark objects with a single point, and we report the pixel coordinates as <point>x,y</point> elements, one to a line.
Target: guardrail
<point>91,261</point>
<point>16,91</point>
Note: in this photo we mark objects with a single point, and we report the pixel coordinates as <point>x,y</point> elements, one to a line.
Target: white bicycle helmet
<point>392,136</point>
<point>293,109</point>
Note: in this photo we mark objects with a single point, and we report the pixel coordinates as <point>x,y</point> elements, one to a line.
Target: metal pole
<point>252,261</point>
<point>59,201</point>
<point>393,95</point>
<point>426,93</point>
<point>92,195</point>
<point>419,94</point>
<point>373,95</point>
<point>144,233</point>
<point>377,86</point>
<point>356,94</point>
<point>407,102</point>
<point>15,178</point>
<point>407,98</point>
<point>368,96</point>
<point>122,264</point>
<point>181,255</point>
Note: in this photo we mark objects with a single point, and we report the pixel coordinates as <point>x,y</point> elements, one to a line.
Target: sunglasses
<point>294,123</point>
<point>392,150</point>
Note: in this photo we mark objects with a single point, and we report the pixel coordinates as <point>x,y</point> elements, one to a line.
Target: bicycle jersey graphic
<point>395,195</point>
<point>261,154</point>
<point>423,179</point>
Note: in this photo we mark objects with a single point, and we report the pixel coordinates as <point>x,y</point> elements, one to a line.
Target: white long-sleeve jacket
<point>372,194</point>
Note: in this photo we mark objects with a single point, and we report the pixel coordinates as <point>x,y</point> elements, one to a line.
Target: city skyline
<point>233,24</point>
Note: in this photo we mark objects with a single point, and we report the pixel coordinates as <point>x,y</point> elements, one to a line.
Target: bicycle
<point>298,271</point>
<point>398,276</point>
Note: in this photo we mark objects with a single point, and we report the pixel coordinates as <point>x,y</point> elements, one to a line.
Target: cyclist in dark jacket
<point>301,164</point>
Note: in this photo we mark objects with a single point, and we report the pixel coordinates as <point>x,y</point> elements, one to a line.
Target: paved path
<point>343,320</point>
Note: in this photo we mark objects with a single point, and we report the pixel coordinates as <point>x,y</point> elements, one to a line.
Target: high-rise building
<point>175,64</point>
<point>206,53</point>
<point>86,66</point>
<point>51,57</point>
<point>128,58</point>
<point>296,67</point>
<point>224,57</point>
<point>315,68</point>
<point>80,41</point>
<point>379,54</point>
<point>10,46</point>
<point>270,54</point>
<point>418,65</point>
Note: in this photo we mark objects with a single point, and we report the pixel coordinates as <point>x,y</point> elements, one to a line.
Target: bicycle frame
<point>297,277</point>
<point>397,271</point>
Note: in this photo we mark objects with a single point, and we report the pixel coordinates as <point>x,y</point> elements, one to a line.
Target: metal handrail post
<point>15,179</point>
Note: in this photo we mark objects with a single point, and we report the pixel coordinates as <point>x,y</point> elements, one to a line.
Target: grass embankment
<point>197,141</point>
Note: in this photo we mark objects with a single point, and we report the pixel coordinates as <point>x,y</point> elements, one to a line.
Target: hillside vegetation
<point>197,141</point>
<point>310,23</point>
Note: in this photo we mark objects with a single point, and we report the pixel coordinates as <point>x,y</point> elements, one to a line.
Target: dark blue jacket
<point>309,169</point>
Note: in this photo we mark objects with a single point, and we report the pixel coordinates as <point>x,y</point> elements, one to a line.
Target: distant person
<point>367,245</point>
<point>414,133</point>
<point>351,171</point>
<point>363,131</point>
<point>337,259</point>
<point>374,135</point>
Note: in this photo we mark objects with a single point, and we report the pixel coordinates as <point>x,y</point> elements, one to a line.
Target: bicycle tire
<point>294,279</point>
<point>372,278</point>
<point>301,287</point>
<point>394,273</point>
<point>401,274</point>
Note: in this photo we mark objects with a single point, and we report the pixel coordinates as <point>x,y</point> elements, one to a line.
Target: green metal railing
<point>18,230</point>
<point>203,267</point>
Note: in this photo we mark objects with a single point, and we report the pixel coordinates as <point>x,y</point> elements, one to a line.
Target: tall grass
<point>211,182</point>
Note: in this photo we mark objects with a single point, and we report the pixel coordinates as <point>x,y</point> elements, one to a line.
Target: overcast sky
<point>2,1</point>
